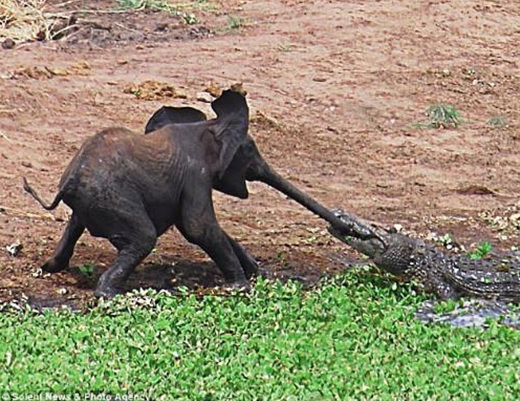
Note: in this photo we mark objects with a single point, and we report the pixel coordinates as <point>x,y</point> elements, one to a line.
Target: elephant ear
<point>173,115</point>
<point>231,128</point>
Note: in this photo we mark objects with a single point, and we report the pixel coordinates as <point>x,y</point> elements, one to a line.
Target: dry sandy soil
<point>336,90</point>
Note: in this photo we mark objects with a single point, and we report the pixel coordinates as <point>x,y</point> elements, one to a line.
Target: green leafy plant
<point>351,337</point>
<point>190,19</point>
<point>482,250</point>
<point>445,306</point>
<point>139,5</point>
<point>285,48</point>
<point>183,10</point>
<point>441,116</point>
<point>497,122</point>
<point>445,240</point>
<point>87,269</point>
<point>235,23</point>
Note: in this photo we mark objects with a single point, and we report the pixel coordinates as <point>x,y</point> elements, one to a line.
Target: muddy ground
<point>337,90</point>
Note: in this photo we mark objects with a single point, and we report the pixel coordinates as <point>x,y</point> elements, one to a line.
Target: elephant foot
<point>251,268</point>
<point>107,292</point>
<point>54,266</point>
<point>108,288</point>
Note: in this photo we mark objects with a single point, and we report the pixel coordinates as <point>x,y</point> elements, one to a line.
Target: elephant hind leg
<point>65,248</point>
<point>134,241</point>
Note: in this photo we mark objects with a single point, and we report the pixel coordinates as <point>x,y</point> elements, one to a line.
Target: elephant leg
<point>248,263</point>
<point>63,252</point>
<point>134,241</point>
<point>199,226</point>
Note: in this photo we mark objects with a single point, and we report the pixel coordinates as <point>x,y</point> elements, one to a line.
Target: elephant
<point>130,188</point>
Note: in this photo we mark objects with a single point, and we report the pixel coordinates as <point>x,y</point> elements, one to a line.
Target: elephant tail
<point>34,194</point>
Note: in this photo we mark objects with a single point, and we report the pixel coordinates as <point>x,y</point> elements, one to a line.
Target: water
<point>471,313</point>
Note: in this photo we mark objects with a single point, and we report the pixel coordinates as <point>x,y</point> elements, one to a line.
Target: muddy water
<point>471,313</point>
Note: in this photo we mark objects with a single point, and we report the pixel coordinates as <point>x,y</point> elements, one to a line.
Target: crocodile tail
<point>35,195</point>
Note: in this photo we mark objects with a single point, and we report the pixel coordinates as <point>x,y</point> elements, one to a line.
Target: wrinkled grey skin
<point>445,275</point>
<point>249,165</point>
<point>131,188</point>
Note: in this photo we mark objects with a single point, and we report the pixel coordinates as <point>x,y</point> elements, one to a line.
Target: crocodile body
<point>445,275</point>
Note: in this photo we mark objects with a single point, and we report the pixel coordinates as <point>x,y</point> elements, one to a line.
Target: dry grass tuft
<point>23,20</point>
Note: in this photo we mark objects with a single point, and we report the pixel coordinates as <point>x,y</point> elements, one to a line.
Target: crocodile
<point>446,275</point>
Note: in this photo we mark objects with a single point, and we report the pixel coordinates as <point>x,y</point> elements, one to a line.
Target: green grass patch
<point>285,48</point>
<point>183,9</point>
<point>87,269</point>
<point>139,5</point>
<point>497,122</point>
<point>235,23</point>
<point>353,338</point>
<point>441,116</point>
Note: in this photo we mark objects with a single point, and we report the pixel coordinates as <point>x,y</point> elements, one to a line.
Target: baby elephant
<point>131,188</point>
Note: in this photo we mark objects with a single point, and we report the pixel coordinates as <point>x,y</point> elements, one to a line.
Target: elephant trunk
<point>270,177</point>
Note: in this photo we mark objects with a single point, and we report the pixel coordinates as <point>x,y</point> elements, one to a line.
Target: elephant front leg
<point>215,242</point>
<point>249,264</point>
<point>198,224</point>
<point>219,248</point>
<point>61,257</point>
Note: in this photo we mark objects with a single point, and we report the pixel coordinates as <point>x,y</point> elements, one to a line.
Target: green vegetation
<point>87,270</point>
<point>139,5</point>
<point>441,116</point>
<point>184,10</point>
<point>235,23</point>
<point>482,250</point>
<point>354,337</point>
<point>285,48</point>
<point>447,306</point>
<point>497,122</point>
<point>446,240</point>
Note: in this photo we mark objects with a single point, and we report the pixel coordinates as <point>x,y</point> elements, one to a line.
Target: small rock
<point>8,44</point>
<point>14,249</point>
<point>161,27</point>
<point>398,227</point>
<point>515,218</point>
<point>27,164</point>
<point>62,291</point>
